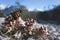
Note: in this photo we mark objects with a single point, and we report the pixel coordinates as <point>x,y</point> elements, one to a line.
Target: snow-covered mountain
<point>8,10</point>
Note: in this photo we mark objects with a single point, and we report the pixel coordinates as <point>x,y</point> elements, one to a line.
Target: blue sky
<point>32,4</point>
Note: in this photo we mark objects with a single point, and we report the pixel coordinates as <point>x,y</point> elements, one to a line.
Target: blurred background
<point>36,9</point>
